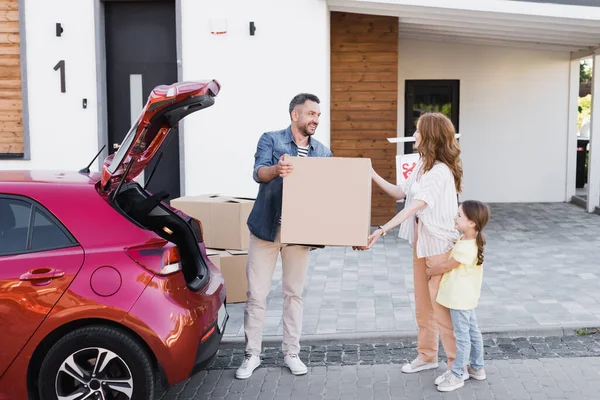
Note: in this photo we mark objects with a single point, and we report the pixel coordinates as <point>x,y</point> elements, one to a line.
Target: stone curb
<point>402,336</point>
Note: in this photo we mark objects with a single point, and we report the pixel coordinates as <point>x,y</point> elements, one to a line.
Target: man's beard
<point>306,132</point>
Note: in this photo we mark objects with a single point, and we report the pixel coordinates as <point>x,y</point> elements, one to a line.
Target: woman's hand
<point>373,237</point>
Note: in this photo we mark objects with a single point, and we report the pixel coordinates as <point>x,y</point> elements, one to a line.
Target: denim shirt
<point>266,212</point>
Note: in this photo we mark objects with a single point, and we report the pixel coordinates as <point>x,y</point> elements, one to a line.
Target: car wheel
<point>96,363</point>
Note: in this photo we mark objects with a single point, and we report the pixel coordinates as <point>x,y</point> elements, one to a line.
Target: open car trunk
<point>148,211</point>
<point>165,107</point>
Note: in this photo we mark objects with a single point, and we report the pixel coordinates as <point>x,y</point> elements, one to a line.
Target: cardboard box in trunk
<point>223,219</point>
<point>327,202</point>
<point>232,264</point>
<point>214,257</point>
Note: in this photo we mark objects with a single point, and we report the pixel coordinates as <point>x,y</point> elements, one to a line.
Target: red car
<point>104,288</point>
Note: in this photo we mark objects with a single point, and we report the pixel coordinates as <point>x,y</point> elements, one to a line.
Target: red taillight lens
<point>160,258</point>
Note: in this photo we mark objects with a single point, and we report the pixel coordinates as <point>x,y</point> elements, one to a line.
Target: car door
<point>38,260</point>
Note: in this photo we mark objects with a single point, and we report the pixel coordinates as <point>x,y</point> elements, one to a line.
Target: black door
<point>141,53</point>
<point>429,95</point>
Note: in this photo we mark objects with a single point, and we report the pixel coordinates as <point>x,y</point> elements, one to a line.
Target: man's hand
<point>359,248</point>
<point>283,167</point>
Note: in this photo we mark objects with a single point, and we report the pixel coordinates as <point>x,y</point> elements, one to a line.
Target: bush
<point>585,105</point>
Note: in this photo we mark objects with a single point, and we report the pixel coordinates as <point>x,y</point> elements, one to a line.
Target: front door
<point>429,95</point>
<point>141,53</point>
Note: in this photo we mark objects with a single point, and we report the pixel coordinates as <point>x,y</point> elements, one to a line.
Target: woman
<point>427,222</point>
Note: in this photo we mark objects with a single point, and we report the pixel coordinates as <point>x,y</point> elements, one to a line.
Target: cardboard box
<point>327,201</point>
<point>214,257</point>
<point>223,219</point>
<point>232,264</point>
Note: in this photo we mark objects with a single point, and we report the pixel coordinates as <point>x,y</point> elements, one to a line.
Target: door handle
<point>42,274</point>
<point>116,146</point>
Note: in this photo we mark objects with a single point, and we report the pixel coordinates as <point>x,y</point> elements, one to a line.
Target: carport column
<point>572,130</point>
<point>593,199</point>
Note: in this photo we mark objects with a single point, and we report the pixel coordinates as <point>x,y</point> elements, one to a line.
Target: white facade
<point>58,123</point>
<point>260,74</point>
<point>513,115</point>
<point>514,100</point>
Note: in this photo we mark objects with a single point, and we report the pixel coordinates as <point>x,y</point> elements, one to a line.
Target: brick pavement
<point>520,368</point>
<point>541,272</point>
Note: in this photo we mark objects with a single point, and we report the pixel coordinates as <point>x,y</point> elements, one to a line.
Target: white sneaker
<point>452,382</point>
<point>248,366</point>
<point>476,374</point>
<point>293,362</point>
<point>417,365</point>
<point>443,376</point>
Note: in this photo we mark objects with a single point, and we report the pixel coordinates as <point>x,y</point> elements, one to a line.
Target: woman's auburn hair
<point>438,143</point>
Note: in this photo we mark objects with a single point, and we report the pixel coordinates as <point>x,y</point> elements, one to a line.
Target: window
<point>25,227</point>
<point>47,235</point>
<point>14,225</point>
<point>429,95</point>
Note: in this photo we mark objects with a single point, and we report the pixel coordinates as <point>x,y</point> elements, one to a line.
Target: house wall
<point>260,74</point>
<point>513,102</point>
<point>62,134</point>
<point>513,115</point>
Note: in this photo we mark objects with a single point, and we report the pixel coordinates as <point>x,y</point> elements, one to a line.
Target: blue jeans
<point>469,342</point>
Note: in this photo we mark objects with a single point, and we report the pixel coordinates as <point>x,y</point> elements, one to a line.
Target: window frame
<point>35,207</point>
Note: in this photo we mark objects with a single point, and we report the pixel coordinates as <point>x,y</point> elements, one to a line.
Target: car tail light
<point>207,334</point>
<point>160,258</point>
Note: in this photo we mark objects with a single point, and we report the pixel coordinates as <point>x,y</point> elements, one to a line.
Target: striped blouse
<point>436,187</point>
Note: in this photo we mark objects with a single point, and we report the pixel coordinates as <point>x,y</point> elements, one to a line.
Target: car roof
<point>48,177</point>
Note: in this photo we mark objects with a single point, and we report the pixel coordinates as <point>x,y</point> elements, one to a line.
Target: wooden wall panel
<point>11,121</point>
<point>364,96</point>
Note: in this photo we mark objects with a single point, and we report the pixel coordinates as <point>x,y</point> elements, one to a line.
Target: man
<point>270,167</point>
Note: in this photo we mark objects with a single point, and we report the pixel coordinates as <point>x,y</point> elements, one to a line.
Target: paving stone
<point>551,282</point>
<point>519,386</point>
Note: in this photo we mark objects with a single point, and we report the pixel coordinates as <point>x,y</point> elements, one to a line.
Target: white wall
<point>63,135</point>
<point>513,115</point>
<point>259,75</point>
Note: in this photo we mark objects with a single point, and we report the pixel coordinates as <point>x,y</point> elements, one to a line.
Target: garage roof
<point>523,24</point>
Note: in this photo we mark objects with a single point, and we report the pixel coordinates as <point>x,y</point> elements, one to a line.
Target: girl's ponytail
<point>480,240</point>
<point>479,213</point>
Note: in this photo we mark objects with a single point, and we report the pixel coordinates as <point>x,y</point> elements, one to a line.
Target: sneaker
<point>452,382</point>
<point>295,364</point>
<point>478,375</point>
<point>443,376</point>
<point>248,366</point>
<point>417,365</point>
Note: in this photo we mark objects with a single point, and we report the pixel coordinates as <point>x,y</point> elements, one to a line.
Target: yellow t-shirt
<point>460,288</point>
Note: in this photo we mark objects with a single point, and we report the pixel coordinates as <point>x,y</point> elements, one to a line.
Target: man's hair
<point>301,98</point>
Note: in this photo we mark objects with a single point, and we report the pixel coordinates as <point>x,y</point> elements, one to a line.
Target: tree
<point>585,71</point>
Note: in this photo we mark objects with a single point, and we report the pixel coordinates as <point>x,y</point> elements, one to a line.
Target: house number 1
<point>61,66</point>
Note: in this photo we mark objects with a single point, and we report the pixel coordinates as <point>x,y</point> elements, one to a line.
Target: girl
<point>459,291</point>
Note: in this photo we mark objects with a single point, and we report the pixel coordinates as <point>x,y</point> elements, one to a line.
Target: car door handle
<point>42,274</point>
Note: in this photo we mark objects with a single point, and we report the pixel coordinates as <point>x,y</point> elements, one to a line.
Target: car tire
<point>71,366</point>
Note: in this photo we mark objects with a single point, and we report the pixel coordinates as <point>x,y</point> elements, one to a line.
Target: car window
<point>15,216</point>
<point>20,233</point>
<point>47,235</point>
